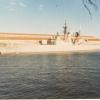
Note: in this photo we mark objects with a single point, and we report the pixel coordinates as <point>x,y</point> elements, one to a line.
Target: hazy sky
<point>47,16</point>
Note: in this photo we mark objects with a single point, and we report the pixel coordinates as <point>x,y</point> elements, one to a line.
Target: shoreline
<point>50,53</point>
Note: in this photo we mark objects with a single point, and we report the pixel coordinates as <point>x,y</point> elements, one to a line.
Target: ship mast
<point>65,31</point>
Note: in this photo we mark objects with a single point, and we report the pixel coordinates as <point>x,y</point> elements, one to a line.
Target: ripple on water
<point>50,76</point>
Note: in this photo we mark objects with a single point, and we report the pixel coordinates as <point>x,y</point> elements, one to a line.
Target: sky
<point>48,17</point>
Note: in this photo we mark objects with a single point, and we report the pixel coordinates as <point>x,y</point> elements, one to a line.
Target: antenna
<point>65,28</point>
<point>65,31</point>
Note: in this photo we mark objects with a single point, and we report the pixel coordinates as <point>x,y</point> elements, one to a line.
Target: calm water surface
<point>50,76</point>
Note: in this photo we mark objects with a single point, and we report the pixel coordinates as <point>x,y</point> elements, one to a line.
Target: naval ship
<point>47,43</point>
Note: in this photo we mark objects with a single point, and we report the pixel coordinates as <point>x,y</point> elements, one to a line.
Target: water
<point>50,76</point>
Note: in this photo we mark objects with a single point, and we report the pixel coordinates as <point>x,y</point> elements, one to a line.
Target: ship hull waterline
<point>41,49</point>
